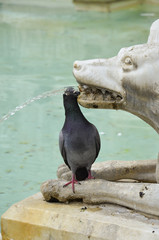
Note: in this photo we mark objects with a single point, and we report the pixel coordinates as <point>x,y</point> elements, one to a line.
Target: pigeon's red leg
<point>73,181</point>
<point>90,175</point>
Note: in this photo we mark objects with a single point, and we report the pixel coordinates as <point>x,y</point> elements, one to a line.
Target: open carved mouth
<point>98,97</point>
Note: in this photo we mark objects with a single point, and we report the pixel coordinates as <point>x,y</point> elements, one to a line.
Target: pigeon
<point>79,140</point>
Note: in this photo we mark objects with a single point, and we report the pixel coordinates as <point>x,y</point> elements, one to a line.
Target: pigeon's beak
<point>77,93</point>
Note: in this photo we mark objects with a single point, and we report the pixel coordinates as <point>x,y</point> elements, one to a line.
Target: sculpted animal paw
<point>64,172</point>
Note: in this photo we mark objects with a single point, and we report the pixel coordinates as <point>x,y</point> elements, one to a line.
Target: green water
<point>37,49</point>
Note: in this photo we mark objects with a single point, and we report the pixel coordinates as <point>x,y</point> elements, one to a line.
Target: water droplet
<point>101,133</point>
<point>119,134</point>
<point>147,14</point>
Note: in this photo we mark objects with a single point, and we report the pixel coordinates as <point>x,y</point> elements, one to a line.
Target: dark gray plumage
<point>79,140</point>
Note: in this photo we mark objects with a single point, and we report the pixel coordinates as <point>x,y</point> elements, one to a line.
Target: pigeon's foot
<point>73,181</point>
<point>90,175</point>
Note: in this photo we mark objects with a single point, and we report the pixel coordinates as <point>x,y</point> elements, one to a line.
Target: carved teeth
<point>98,94</point>
<point>85,86</point>
<point>114,94</point>
<point>94,90</point>
<point>103,91</point>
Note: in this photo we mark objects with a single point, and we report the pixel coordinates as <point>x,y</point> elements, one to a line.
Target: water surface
<point>38,47</point>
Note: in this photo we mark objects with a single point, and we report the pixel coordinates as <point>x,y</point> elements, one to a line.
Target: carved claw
<point>64,172</point>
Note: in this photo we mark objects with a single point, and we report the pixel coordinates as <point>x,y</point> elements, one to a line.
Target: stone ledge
<point>35,219</point>
<point>104,5</point>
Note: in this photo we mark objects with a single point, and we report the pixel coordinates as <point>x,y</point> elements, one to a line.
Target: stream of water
<point>30,101</point>
<point>38,46</point>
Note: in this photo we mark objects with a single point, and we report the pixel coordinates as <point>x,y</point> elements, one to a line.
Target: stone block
<point>35,219</point>
<point>104,5</point>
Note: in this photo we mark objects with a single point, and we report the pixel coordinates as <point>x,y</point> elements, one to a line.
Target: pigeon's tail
<point>81,174</point>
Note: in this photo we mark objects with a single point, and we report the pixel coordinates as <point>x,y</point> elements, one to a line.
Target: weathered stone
<point>104,5</point>
<point>143,170</point>
<point>157,170</point>
<point>142,197</point>
<point>129,81</point>
<point>35,219</point>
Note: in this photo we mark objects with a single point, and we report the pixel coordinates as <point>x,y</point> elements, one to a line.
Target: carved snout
<point>92,63</point>
<point>83,70</point>
<point>100,73</point>
<point>77,65</point>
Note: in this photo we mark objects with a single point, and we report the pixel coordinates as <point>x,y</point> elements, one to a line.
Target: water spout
<point>41,96</point>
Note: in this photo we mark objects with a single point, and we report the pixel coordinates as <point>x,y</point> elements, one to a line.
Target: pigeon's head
<point>70,92</point>
<point>70,99</point>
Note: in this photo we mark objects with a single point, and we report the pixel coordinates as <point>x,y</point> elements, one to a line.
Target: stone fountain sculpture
<point>130,82</point>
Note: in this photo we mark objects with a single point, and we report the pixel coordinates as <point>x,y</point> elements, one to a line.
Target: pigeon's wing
<point>97,140</point>
<point>62,148</point>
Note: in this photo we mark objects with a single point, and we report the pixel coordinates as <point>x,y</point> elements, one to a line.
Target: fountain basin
<point>35,219</point>
<point>108,5</point>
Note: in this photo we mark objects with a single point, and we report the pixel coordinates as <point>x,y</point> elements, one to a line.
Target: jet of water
<point>41,96</point>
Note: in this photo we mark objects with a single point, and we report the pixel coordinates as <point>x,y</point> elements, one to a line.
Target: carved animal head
<point>128,81</point>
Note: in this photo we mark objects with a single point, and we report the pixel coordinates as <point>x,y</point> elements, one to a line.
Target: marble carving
<point>130,82</point>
